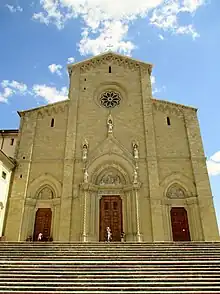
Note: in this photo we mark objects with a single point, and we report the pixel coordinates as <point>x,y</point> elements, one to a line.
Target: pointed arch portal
<point>180,226</point>
<point>110,216</point>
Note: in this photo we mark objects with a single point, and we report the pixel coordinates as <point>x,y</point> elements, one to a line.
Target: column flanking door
<point>180,225</point>
<point>110,216</point>
<point>43,223</point>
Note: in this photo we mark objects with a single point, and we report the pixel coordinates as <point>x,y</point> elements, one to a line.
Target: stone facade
<point>110,138</point>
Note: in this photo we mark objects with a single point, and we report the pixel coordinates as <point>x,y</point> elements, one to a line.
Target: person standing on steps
<point>109,234</point>
<point>40,237</point>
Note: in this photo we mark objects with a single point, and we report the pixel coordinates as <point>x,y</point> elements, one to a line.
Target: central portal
<point>110,216</point>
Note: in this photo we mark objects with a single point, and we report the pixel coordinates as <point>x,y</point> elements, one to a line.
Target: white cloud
<point>55,68</point>
<point>213,164</point>
<point>14,8</point>
<point>10,88</point>
<point>50,94</point>
<point>161,37</point>
<point>70,60</point>
<point>106,23</point>
<point>155,89</point>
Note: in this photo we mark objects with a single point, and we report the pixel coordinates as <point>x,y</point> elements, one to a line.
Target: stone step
<point>110,287</point>
<point>118,273</point>
<point>104,279</point>
<point>189,291</point>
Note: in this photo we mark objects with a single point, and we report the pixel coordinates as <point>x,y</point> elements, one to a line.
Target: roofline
<point>9,162</point>
<point>106,53</point>
<point>175,104</point>
<point>40,107</point>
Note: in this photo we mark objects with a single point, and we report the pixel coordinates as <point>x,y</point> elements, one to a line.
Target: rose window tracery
<point>110,99</point>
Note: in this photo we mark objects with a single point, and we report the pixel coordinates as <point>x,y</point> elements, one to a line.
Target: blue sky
<point>180,37</point>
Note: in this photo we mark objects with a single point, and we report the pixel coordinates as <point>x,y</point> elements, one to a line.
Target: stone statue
<point>135,176</point>
<point>86,176</point>
<point>85,150</point>
<point>110,124</point>
<point>135,151</point>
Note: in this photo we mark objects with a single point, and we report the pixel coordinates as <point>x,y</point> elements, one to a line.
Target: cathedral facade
<point>110,155</point>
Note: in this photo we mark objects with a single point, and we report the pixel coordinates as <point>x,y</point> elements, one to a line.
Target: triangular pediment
<point>110,146</point>
<point>110,57</point>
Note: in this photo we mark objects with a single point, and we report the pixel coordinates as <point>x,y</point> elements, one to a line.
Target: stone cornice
<point>110,58</point>
<point>8,162</point>
<point>171,107</point>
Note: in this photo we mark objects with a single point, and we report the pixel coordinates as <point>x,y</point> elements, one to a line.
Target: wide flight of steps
<point>89,268</point>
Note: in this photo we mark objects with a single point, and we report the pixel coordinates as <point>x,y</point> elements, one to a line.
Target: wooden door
<point>180,226</point>
<point>43,223</point>
<point>110,216</point>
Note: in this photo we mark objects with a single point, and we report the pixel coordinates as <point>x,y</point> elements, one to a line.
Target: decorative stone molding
<point>52,109</point>
<point>167,108</point>
<point>176,192</point>
<point>45,180</point>
<point>112,58</point>
<point>45,194</point>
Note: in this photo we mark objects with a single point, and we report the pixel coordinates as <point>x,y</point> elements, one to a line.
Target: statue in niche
<point>135,181</point>
<point>175,192</point>
<point>85,150</point>
<point>110,179</point>
<point>86,176</point>
<point>45,194</point>
<point>135,151</point>
<point>110,124</point>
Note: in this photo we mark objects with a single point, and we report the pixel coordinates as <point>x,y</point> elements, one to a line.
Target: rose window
<point>110,99</point>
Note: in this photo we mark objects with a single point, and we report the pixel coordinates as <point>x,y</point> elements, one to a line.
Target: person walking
<point>109,234</point>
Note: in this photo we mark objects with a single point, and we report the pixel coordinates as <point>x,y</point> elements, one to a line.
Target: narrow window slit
<point>52,123</point>
<point>168,121</point>
<point>110,69</point>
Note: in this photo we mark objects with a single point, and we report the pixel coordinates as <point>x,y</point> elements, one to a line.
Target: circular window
<point>110,99</point>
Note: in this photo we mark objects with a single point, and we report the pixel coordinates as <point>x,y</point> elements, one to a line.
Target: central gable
<point>110,58</point>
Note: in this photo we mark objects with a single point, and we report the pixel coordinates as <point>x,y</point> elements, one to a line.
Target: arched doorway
<point>180,225</point>
<point>110,216</point>
<point>43,223</point>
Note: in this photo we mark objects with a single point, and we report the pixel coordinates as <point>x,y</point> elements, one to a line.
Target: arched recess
<point>34,201</point>
<point>180,193</point>
<point>180,180</point>
<point>43,181</point>
<point>111,161</point>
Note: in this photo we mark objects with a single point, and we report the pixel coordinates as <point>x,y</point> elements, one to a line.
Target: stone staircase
<point>89,268</point>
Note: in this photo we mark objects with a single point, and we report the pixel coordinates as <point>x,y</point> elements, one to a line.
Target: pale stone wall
<point>5,177</point>
<point>168,155</point>
<point>8,141</point>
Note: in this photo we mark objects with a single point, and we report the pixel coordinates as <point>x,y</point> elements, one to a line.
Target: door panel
<point>180,226</point>
<point>110,216</point>
<point>43,223</point>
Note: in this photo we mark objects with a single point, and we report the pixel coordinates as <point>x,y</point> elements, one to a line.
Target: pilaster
<point>150,145</point>
<point>205,201</point>
<point>69,157</point>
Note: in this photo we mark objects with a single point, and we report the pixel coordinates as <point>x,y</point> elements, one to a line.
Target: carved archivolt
<point>176,192</point>
<point>115,59</point>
